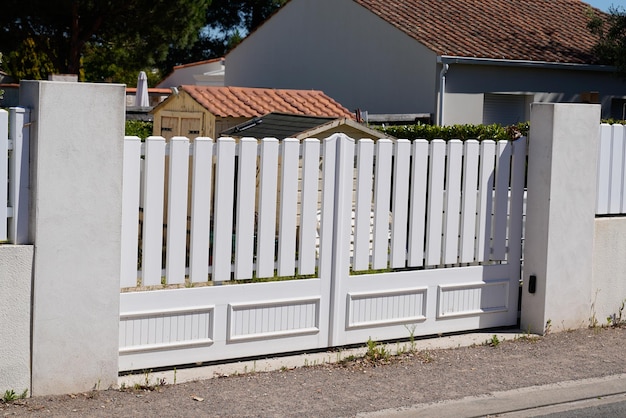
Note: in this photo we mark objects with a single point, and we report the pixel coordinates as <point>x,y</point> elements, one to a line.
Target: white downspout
<point>442,92</point>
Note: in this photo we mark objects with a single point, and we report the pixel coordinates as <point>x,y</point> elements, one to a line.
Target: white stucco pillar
<point>560,215</point>
<point>76,170</point>
<point>16,262</point>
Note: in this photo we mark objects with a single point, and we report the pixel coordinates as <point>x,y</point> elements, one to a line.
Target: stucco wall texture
<point>16,264</point>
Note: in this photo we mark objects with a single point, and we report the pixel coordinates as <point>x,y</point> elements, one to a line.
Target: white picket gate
<point>14,175</point>
<point>611,193</point>
<point>370,240</point>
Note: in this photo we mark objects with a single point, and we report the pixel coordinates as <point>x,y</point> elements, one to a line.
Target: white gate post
<point>560,216</point>
<point>76,142</point>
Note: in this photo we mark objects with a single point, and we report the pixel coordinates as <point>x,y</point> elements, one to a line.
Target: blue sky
<point>605,4</point>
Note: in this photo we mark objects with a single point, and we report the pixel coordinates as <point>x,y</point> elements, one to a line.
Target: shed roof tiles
<point>533,30</point>
<point>251,102</point>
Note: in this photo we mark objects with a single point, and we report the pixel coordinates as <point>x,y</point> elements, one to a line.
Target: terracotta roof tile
<point>534,30</point>
<point>251,102</point>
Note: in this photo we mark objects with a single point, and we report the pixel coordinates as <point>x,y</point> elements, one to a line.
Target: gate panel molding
<point>250,321</point>
<point>166,329</point>
<point>473,298</point>
<point>400,306</point>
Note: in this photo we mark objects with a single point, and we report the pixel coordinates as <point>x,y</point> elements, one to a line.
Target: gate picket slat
<point>177,210</point>
<point>419,175</point>
<point>435,202</point>
<point>617,167</point>
<point>501,215</point>
<point>485,200</point>
<point>468,217</point>
<point>363,206</point>
<point>201,184</point>
<point>266,233</point>
<point>152,237</point>
<point>402,160</point>
<point>621,134</point>
<point>130,210</point>
<point>453,202</point>
<point>518,177</point>
<point>223,216</point>
<point>308,206</point>
<point>382,195</point>
<point>288,207</point>
<point>4,173</point>
<point>604,158</point>
<point>246,193</point>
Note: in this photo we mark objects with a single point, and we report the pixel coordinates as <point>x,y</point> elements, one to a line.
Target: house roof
<point>276,125</point>
<point>531,30</point>
<point>251,102</point>
<point>195,64</point>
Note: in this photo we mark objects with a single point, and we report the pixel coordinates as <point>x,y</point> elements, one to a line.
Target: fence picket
<point>246,184</point>
<point>19,172</point>
<point>435,202</point>
<point>402,160</point>
<point>266,233</point>
<point>4,174</point>
<point>617,169</point>
<point>288,207</point>
<point>223,216</point>
<point>453,202</point>
<point>177,210</point>
<point>152,236</point>
<point>201,184</point>
<point>503,167</point>
<point>363,205</point>
<point>485,200</point>
<point>130,210</point>
<point>604,169</point>
<point>382,195</point>
<point>468,217</point>
<point>518,177</point>
<point>417,216</point>
<point>308,207</point>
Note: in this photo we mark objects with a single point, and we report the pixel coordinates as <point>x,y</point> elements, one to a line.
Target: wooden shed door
<point>169,127</point>
<point>188,124</point>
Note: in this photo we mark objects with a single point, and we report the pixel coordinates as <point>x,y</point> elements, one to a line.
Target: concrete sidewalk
<point>317,358</point>
<point>525,402</point>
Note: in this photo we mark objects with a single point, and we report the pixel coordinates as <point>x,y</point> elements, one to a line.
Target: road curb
<point>516,402</point>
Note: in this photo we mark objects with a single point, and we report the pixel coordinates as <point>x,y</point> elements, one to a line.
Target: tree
<point>227,23</point>
<point>132,33</point>
<point>611,31</point>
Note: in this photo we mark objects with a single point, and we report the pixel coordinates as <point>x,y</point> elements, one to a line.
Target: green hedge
<point>462,132</point>
<point>138,128</point>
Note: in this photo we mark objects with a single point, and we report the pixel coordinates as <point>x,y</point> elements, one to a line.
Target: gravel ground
<point>343,390</point>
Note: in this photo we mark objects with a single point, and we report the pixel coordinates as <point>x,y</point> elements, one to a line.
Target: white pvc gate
<point>437,227</point>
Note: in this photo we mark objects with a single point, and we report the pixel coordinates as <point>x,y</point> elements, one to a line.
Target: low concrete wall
<point>609,268</point>
<point>16,266</point>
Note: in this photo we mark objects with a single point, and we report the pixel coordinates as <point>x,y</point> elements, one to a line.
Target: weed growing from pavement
<point>494,341</point>
<point>548,327</point>
<point>617,319</point>
<point>10,395</point>
<point>376,352</point>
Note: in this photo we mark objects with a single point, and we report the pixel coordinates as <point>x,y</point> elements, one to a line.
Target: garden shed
<point>194,111</point>
<point>284,125</point>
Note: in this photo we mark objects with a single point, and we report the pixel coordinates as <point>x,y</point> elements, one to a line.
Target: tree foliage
<point>131,34</point>
<point>227,23</point>
<point>611,31</point>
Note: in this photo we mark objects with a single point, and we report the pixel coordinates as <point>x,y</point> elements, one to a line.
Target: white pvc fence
<point>611,192</point>
<point>243,210</point>
<point>14,175</point>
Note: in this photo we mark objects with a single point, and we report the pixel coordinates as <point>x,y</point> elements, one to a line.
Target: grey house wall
<point>467,84</point>
<point>364,62</point>
<point>342,49</point>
